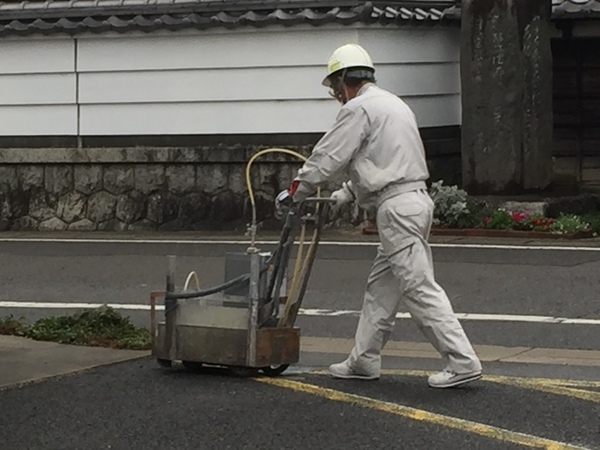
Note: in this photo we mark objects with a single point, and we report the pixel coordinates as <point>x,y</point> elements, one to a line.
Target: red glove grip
<point>294,187</point>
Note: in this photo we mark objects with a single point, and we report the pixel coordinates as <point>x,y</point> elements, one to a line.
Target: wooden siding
<point>253,81</point>
<point>577,111</point>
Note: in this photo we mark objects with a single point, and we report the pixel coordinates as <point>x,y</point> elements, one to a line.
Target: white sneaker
<point>447,378</point>
<point>342,370</point>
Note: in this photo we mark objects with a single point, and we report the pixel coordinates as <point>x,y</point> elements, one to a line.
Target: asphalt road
<point>551,283</point>
<point>137,405</point>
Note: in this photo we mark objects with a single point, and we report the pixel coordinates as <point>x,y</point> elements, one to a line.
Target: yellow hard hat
<point>346,57</point>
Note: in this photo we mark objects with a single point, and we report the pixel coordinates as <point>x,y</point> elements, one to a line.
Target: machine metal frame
<point>245,334</point>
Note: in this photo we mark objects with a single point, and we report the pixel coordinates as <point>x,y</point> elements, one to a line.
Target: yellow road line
<point>558,389</point>
<point>488,431</point>
<point>497,378</point>
<point>568,388</point>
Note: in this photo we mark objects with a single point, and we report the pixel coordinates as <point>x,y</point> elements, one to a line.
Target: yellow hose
<point>249,184</point>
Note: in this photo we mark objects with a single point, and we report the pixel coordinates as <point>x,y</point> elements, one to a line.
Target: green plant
<point>451,209</point>
<point>11,326</point>
<point>102,327</point>
<point>593,219</point>
<point>500,219</point>
<point>569,223</point>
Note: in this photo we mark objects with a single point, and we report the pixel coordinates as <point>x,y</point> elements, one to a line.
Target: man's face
<point>338,90</point>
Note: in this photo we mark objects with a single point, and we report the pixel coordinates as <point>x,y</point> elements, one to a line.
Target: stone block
<point>5,212</point>
<point>118,179</point>
<point>186,154</point>
<point>101,207</point>
<point>162,207</point>
<point>265,205</point>
<point>149,177</point>
<point>30,176</point>
<point>237,179</point>
<point>19,203</point>
<point>71,207</point>
<point>25,223</point>
<point>285,176</point>
<point>526,207</point>
<point>131,207</point>
<point>181,178</point>
<point>112,225</point>
<point>194,208</point>
<point>88,179</point>
<point>8,178</point>
<point>507,131</point>
<point>211,178</point>
<point>225,207</point>
<point>42,205</point>
<point>58,179</point>
<point>82,225</point>
<point>53,224</point>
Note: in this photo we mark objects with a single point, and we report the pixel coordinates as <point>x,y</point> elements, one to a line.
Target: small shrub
<point>569,223</point>
<point>451,209</point>
<point>593,219</point>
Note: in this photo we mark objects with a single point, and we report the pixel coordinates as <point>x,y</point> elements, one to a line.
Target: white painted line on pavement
<point>273,242</point>
<point>313,312</point>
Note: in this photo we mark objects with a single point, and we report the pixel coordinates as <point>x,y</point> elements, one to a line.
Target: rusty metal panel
<point>277,346</point>
<point>222,346</point>
<point>160,350</point>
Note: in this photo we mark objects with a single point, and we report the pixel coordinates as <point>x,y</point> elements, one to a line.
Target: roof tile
<point>74,16</point>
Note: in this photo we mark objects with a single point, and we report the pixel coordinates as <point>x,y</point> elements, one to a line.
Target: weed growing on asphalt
<point>102,327</point>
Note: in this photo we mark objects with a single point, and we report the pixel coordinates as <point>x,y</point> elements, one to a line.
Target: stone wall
<point>135,189</point>
<point>146,188</point>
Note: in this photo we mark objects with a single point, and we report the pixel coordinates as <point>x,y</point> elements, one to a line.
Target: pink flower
<point>519,217</point>
<point>486,220</point>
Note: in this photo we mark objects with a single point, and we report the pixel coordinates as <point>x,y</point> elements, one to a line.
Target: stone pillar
<point>506,76</point>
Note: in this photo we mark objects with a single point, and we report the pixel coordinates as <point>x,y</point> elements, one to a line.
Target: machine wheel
<point>192,366</point>
<point>243,372</point>
<point>166,363</point>
<point>274,371</point>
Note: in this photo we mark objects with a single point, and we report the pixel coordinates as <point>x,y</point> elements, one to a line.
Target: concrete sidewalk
<point>24,360</point>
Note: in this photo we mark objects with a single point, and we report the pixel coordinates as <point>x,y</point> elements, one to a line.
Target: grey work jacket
<point>376,140</point>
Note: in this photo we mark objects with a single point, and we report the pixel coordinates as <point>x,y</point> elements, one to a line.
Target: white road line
<point>314,312</point>
<point>273,242</point>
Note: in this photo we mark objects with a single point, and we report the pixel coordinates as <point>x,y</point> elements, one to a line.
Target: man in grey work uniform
<point>376,140</point>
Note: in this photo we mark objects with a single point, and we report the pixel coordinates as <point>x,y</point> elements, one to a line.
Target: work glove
<point>342,196</point>
<point>285,200</point>
<point>283,203</point>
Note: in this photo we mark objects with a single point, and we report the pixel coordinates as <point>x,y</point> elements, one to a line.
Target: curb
<point>67,373</point>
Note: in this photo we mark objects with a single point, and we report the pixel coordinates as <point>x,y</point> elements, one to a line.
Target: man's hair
<point>357,75</point>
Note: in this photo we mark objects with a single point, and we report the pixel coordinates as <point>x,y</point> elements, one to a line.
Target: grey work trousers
<point>403,270</point>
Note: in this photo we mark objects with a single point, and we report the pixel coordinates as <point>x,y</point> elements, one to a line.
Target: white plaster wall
<point>218,82</point>
<point>37,87</point>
